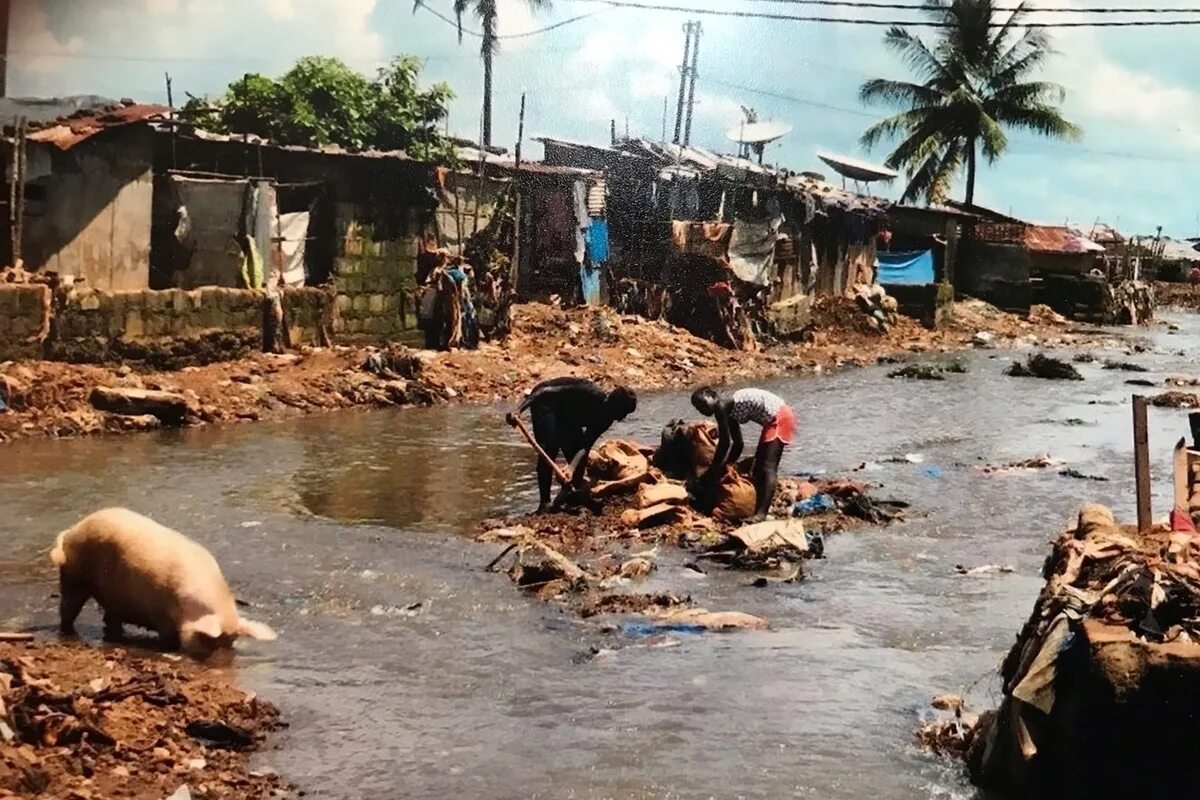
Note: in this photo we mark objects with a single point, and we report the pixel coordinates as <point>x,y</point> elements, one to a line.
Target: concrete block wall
<point>307,310</point>
<point>25,311</point>
<point>147,314</point>
<point>373,285</point>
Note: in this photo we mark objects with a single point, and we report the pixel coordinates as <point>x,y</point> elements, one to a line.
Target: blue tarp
<point>911,268</point>
<point>597,241</point>
<point>589,277</point>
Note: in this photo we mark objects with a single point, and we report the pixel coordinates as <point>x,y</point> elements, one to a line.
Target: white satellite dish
<point>758,132</point>
<point>857,170</point>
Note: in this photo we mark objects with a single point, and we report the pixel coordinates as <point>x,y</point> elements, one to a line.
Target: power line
<point>867,115</point>
<point>1156,23</point>
<point>1031,9</point>
<point>479,35</point>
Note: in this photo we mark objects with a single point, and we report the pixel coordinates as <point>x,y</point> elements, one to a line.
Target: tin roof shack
<point>85,203</point>
<point>916,259</point>
<point>316,217</point>
<point>1165,259</point>
<point>1065,272</point>
<point>685,221</point>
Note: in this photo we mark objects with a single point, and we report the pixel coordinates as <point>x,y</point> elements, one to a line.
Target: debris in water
<point>1039,365</point>
<point>1124,366</point>
<point>1084,358</point>
<point>1074,473</point>
<point>1140,382</point>
<point>1176,400</point>
<point>986,569</point>
<point>1035,463</point>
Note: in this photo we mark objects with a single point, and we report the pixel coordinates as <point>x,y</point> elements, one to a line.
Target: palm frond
<point>460,8</point>
<point>1041,119</point>
<point>923,61</point>
<point>894,125</point>
<point>882,90</point>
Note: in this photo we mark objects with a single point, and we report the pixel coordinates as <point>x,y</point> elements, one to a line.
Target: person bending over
<point>747,405</point>
<point>569,415</point>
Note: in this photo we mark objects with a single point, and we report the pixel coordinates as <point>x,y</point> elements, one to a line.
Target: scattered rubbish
<point>986,569</point>
<point>952,735</point>
<point>1084,358</point>
<point>1045,315</point>
<point>1175,400</point>
<point>907,458</point>
<point>86,722</point>
<point>707,620</point>
<point>1124,366</point>
<point>1098,668</point>
<point>817,504</point>
<point>1181,380</point>
<point>642,628</point>
<point>1140,382</point>
<point>1029,464</point>
<point>934,472</point>
<point>984,339</point>
<point>16,637</point>
<point>182,793</point>
<point>253,523</point>
<point>1074,473</point>
<point>929,372</point>
<point>632,603</point>
<point>791,576</point>
<point>219,735</point>
<point>410,610</point>
<point>1039,365</point>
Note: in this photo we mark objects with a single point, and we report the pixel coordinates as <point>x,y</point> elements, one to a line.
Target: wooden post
<point>1194,422</point>
<point>515,267</point>
<point>1141,463</point>
<point>18,191</point>
<point>174,122</point>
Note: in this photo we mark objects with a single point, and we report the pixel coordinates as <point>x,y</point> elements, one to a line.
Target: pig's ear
<point>208,625</point>
<point>255,630</point>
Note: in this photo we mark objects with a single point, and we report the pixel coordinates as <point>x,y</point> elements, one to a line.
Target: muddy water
<point>333,527</point>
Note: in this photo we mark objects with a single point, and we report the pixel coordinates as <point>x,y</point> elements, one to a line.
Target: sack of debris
<point>686,449</point>
<point>1104,679</point>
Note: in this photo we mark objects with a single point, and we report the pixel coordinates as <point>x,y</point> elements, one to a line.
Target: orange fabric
<point>782,428</point>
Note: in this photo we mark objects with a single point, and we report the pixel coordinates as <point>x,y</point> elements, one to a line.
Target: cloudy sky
<point>1132,89</point>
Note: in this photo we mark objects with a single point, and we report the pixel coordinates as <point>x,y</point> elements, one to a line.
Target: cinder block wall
<point>373,286</point>
<point>24,320</point>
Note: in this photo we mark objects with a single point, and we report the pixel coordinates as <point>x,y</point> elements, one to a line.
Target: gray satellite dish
<point>857,170</point>
<point>758,132</point>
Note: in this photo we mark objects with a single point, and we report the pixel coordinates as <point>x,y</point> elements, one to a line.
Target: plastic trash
<point>816,544</point>
<point>934,472</point>
<point>817,504</point>
<point>640,629</point>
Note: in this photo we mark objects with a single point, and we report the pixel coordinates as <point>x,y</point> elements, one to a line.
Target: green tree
<point>321,102</point>
<point>974,82</point>
<point>489,16</point>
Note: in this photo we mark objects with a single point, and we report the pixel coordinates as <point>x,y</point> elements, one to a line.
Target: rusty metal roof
<point>67,132</point>
<point>1058,239</point>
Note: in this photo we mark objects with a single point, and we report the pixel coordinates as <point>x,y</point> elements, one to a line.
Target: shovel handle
<point>515,421</point>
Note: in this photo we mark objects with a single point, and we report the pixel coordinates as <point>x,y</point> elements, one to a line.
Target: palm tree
<point>974,82</point>
<point>490,44</point>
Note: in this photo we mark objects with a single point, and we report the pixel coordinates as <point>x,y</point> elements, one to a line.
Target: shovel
<point>569,492</point>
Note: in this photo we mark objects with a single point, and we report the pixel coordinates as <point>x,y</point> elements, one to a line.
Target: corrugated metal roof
<point>1058,239</point>
<point>67,132</point>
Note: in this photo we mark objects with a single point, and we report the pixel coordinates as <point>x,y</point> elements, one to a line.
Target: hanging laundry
<point>597,241</point>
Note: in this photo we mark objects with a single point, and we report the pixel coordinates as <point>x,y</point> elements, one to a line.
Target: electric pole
<point>5,11</point>
<point>683,74</point>
<point>687,126</point>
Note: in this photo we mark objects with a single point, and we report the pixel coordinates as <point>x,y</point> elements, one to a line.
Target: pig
<point>145,574</point>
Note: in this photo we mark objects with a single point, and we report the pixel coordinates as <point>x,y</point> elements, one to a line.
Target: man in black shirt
<point>569,415</point>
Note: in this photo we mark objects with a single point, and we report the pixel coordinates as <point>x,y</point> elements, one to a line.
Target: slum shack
<point>728,248</point>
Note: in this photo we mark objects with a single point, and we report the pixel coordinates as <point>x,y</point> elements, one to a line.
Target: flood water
<point>331,526</point>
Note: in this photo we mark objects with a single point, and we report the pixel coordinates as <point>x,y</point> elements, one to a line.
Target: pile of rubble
<point>591,563</point>
<point>1104,679</point>
<point>79,722</point>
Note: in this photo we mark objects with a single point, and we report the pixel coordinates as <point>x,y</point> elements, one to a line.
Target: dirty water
<point>335,528</point>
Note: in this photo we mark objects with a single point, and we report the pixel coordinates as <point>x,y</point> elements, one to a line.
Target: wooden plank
<point>1141,463</point>
<point>1182,475</point>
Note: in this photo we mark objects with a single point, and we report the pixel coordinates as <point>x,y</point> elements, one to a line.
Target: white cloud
<point>722,111</point>
<point>34,47</point>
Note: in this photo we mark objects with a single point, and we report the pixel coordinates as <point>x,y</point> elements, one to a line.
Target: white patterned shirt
<point>755,405</point>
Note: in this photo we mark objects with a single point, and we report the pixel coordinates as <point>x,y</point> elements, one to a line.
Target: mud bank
<point>1104,677</point>
<point>85,723</point>
<point>54,399</point>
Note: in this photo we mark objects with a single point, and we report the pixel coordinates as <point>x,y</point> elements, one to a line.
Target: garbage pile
<point>1104,679</point>
<point>591,563</point>
<point>1039,365</point>
<point>79,722</point>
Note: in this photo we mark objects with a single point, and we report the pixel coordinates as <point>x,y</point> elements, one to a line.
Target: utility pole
<point>687,126</point>
<point>5,13</point>
<point>683,74</point>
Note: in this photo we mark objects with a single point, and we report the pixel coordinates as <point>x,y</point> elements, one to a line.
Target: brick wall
<point>24,320</point>
<point>372,286</point>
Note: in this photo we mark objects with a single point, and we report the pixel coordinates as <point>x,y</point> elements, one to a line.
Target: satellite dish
<point>758,132</point>
<point>857,170</point>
